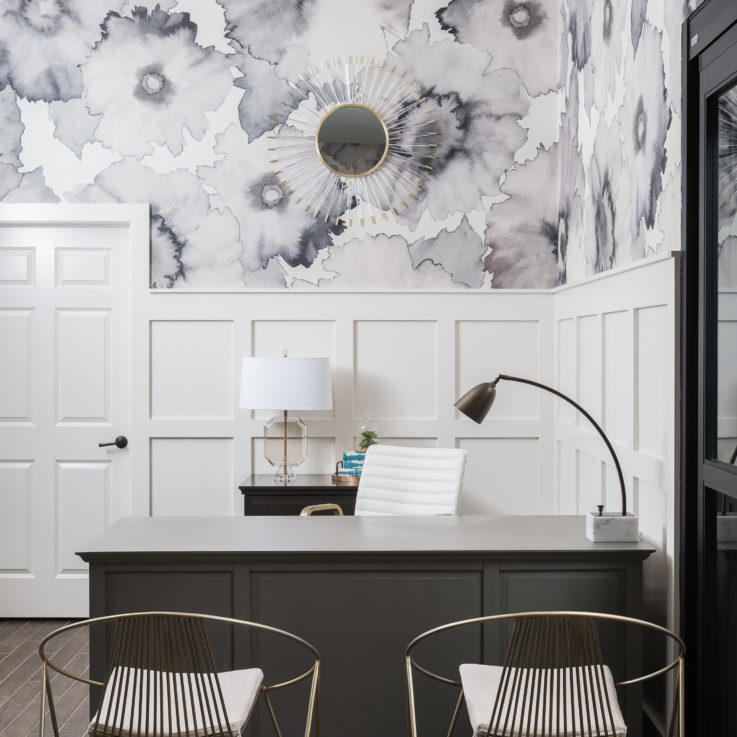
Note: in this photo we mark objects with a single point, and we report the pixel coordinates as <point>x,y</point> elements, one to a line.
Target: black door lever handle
<point>120,442</point>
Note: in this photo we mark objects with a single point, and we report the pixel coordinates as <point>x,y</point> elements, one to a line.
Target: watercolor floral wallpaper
<point>559,134</point>
<point>619,163</point>
<point>172,103</point>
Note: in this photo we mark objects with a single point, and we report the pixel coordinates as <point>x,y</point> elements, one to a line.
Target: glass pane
<point>726,238</point>
<point>724,646</point>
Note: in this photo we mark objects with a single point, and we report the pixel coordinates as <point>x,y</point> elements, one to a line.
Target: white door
<point>65,387</point>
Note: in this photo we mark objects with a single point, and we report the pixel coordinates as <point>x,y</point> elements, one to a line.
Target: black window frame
<point>707,33</point>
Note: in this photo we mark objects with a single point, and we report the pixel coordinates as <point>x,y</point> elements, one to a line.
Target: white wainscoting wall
<point>403,358</point>
<point>617,354</point>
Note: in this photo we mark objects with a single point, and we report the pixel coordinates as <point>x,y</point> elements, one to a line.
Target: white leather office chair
<point>401,480</point>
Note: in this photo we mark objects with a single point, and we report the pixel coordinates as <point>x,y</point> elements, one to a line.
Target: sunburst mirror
<point>353,139</point>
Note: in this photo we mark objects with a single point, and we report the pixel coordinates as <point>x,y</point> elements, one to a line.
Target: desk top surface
<point>152,537</point>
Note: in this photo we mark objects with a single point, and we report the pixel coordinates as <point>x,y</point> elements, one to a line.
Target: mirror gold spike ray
<point>351,139</point>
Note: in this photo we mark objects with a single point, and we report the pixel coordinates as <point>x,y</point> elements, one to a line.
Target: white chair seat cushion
<point>239,687</point>
<point>480,686</point>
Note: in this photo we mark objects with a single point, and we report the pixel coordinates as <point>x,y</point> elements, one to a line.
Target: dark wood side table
<point>261,495</point>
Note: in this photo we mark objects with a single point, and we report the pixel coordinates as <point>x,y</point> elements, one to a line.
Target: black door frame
<point>702,32</point>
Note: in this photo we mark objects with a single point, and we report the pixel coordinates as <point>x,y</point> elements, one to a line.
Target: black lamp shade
<point>476,402</point>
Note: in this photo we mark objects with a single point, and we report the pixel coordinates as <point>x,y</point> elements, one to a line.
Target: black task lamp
<point>600,526</point>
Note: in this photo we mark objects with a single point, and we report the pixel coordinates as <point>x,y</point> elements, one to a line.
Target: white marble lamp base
<point>612,527</point>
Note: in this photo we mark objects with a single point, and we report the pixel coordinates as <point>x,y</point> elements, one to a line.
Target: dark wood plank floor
<point>20,678</point>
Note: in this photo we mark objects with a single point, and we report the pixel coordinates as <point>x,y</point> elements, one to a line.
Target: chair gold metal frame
<point>179,690</point>
<point>551,657</point>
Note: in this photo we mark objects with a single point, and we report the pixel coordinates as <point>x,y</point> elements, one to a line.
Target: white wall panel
<point>302,339</point>
<point>612,491</point>
<point>412,442</point>
<point>83,267</point>
<point>17,266</point>
<point>83,365</point>
<point>82,509</point>
<point>502,477</point>
<point>192,369</point>
<point>589,370</point>
<point>15,518</point>
<point>567,478</point>
<point>652,509</point>
<point>321,456</point>
<point>395,370</point>
<point>486,348</point>
<point>654,336</point>
<point>567,367</point>
<point>192,477</point>
<point>589,479</point>
<point>618,374</point>
<point>15,365</point>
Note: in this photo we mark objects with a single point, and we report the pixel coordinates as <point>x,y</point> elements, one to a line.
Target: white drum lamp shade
<point>279,383</point>
<point>286,384</point>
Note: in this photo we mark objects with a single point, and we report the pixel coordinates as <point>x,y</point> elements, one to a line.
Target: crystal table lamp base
<point>285,446</point>
<point>284,473</point>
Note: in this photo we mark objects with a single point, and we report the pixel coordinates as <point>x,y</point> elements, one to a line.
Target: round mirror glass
<point>352,140</point>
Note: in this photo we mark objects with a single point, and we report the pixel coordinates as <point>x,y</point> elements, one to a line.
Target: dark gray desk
<point>360,588</point>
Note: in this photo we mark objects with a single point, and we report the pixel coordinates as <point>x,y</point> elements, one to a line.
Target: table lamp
<point>285,384</point>
<point>600,526</point>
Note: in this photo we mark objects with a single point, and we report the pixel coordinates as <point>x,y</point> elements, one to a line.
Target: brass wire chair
<point>161,680</point>
<point>553,681</point>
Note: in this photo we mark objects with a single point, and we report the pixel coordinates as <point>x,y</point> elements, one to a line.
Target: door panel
<point>718,477</point>
<point>709,366</point>
<point>65,386</point>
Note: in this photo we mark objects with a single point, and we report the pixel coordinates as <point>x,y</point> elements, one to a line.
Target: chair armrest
<point>307,511</point>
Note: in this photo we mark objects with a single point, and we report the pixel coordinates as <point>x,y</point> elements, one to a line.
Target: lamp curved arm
<point>588,417</point>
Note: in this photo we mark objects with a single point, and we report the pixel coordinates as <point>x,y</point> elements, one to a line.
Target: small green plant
<point>368,437</point>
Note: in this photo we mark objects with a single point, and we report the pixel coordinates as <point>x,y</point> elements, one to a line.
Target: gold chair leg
<point>317,713</point>
<point>314,689</point>
<point>272,714</point>
<point>43,700</point>
<point>456,713</point>
<point>46,695</point>
<point>411,717</point>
